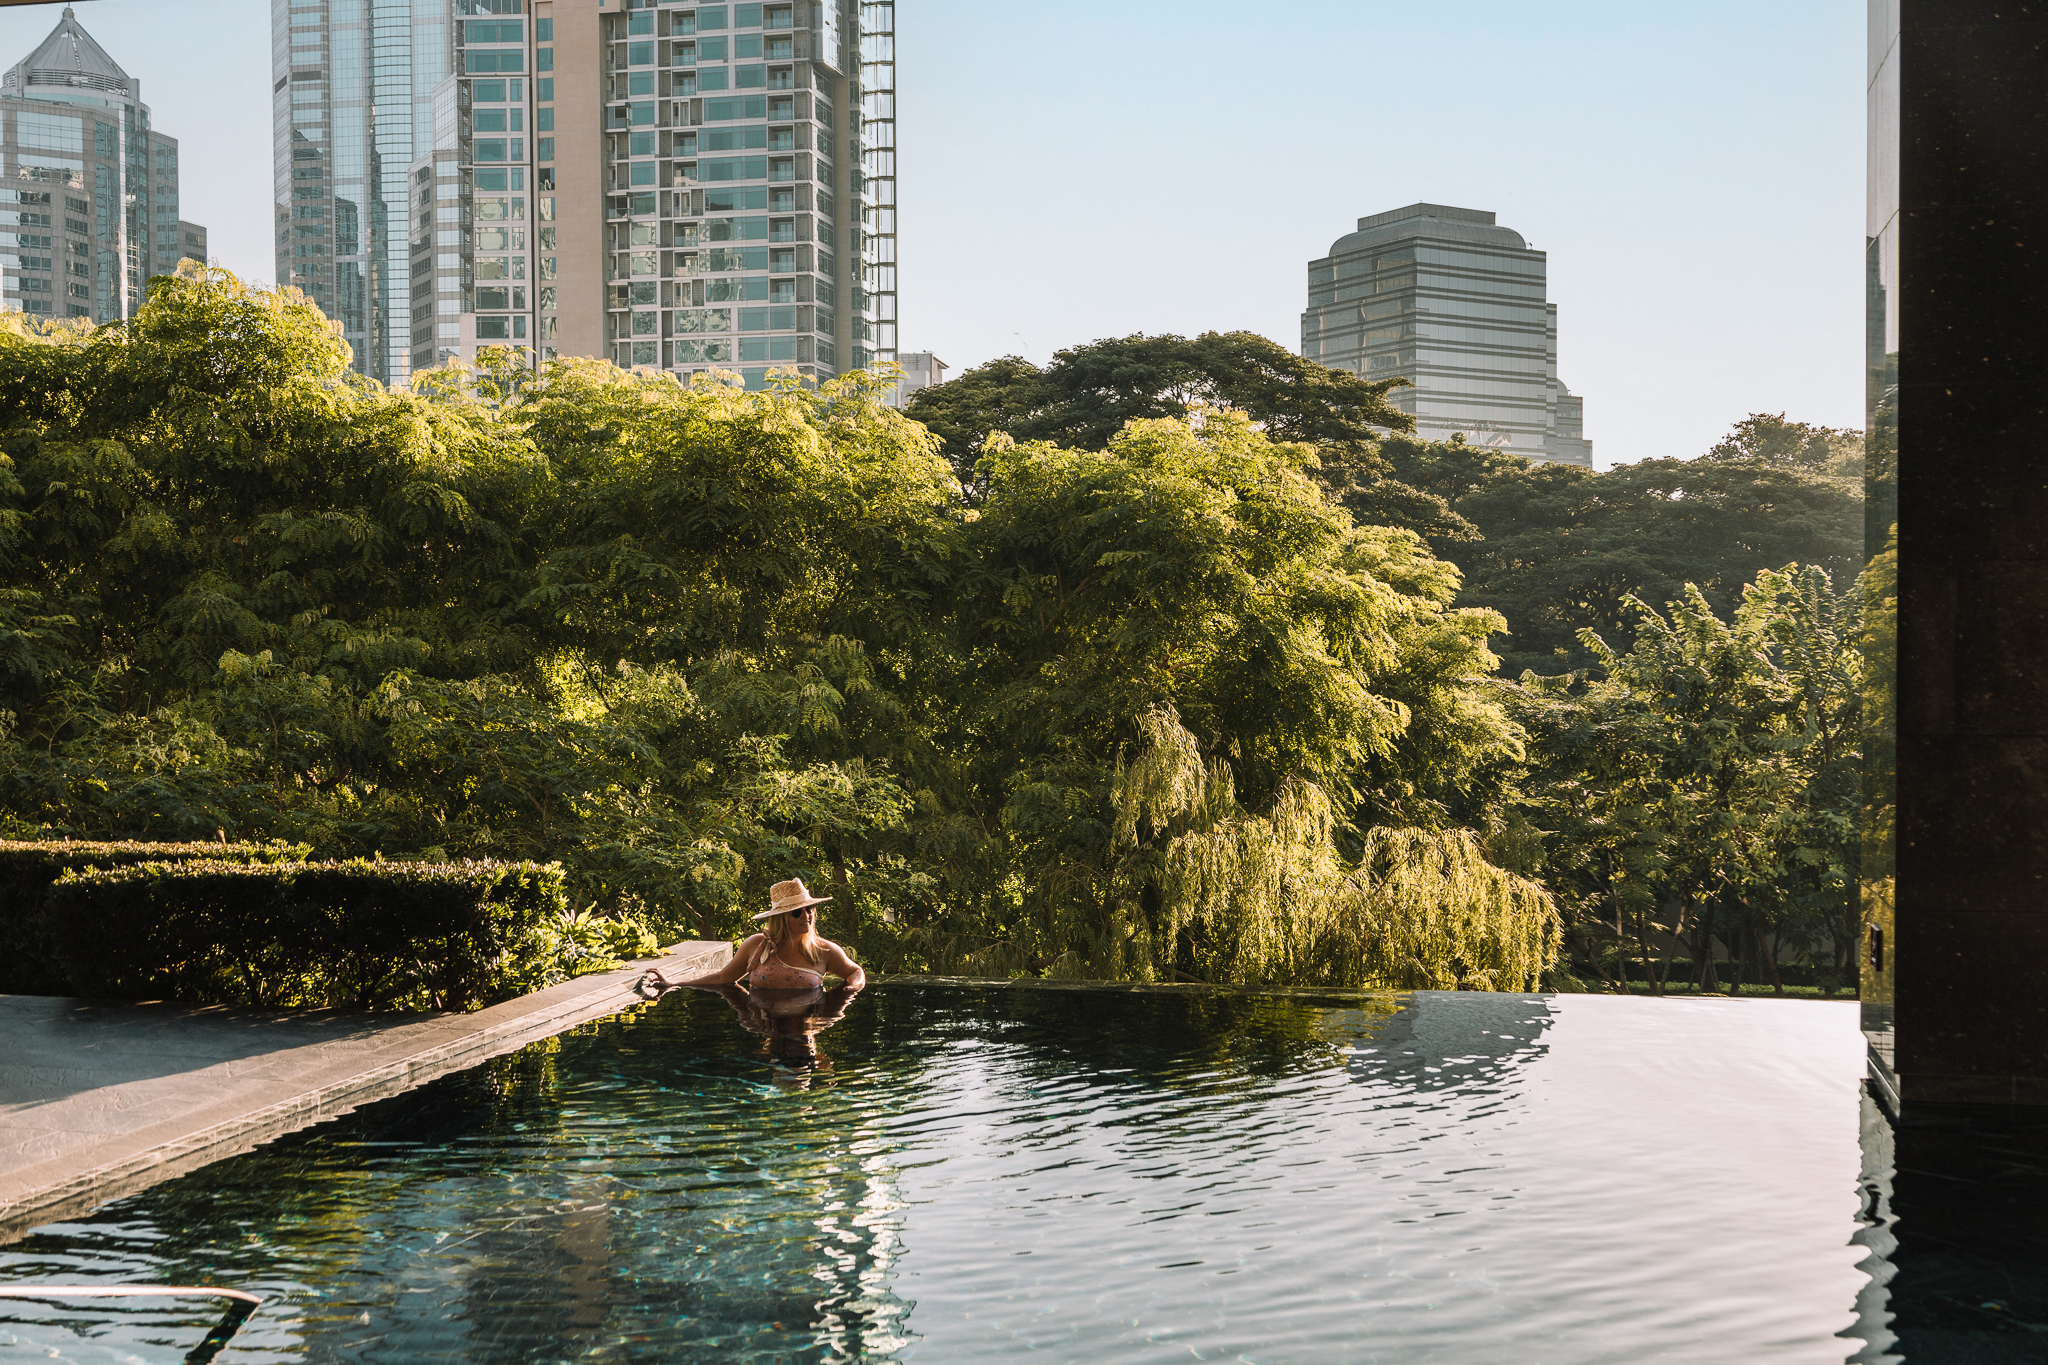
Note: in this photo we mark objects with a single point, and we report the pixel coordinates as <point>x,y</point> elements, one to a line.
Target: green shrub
<point>380,935</point>
<point>587,943</point>
<point>29,868</point>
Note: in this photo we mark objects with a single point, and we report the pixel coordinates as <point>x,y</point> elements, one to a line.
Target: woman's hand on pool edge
<point>735,967</point>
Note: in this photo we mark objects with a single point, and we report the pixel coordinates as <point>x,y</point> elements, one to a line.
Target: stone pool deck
<point>99,1099</point>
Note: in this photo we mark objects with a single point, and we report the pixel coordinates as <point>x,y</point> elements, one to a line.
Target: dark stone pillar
<point>1971,965</point>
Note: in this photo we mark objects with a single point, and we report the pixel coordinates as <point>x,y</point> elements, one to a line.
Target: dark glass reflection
<point>1880,583</point>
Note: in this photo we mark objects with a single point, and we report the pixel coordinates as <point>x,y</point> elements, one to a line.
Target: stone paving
<point>99,1099</point>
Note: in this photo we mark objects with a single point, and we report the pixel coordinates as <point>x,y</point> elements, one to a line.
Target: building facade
<point>352,86</point>
<point>671,186</point>
<point>1453,302</point>
<point>921,370</point>
<point>88,188</point>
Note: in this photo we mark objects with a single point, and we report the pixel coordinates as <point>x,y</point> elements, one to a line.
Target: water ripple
<point>985,1174</point>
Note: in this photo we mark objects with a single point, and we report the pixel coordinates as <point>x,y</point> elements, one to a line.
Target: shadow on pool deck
<point>99,1099</point>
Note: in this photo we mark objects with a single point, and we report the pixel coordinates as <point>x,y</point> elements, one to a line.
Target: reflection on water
<point>982,1173</point>
<point>1957,1202</point>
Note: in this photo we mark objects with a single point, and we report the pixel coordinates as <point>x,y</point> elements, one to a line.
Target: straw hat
<point>784,897</point>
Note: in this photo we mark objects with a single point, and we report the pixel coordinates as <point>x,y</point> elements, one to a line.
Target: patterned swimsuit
<point>770,972</point>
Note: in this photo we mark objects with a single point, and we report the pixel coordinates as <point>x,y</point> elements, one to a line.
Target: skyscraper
<point>88,189</point>
<point>352,104</point>
<point>1450,300</point>
<point>677,186</point>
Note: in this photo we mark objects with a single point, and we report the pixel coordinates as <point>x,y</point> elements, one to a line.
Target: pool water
<point>959,1173</point>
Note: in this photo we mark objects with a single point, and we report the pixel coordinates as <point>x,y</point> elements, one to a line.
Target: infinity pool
<point>958,1173</point>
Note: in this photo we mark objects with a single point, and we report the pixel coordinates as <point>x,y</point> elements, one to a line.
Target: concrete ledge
<point>102,1099</point>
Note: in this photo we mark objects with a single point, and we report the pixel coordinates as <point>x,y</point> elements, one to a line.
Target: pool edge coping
<point>519,1021</point>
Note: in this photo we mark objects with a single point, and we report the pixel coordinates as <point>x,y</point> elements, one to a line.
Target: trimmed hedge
<point>383,935</point>
<point>29,868</point>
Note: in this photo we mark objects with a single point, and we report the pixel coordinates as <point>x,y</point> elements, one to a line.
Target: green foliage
<point>1564,548</point>
<point>379,935</point>
<point>585,943</point>
<point>686,640</point>
<point>29,868</point>
<point>1768,439</point>
<point>1708,781</point>
<point>1089,393</point>
<point>1313,668</point>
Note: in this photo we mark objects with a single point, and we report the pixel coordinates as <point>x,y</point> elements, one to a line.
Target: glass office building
<point>1453,302</point>
<point>352,89</point>
<point>674,186</point>
<point>88,187</point>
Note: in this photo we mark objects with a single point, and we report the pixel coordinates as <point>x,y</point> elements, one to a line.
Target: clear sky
<point>1072,170</point>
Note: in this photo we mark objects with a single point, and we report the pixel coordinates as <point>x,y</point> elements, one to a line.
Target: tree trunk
<point>1677,936</point>
<point>1703,954</point>
<point>1738,949</point>
<point>1643,943</point>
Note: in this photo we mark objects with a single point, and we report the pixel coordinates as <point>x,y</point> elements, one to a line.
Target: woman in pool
<point>787,955</point>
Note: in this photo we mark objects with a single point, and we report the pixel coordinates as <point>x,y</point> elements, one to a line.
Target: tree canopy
<point>1088,393</point>
<point>1146,706</point>
<point>1560,549</point>
<point>1175,660</point>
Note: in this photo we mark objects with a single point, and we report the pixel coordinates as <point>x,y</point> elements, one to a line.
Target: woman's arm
<point>842,966</point>
<point>734,968</point>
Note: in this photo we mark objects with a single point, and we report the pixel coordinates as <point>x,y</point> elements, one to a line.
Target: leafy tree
<point>1563,548</point>
<point>1088,393</point>
<point>1706,780</point>
<point>688,640</point>
<point>1194,571</point>
<point>1768,439</point>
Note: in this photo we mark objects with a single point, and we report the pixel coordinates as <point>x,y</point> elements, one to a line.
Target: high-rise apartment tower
<point>676,186</point>
<point>1453,302</point>
<point>88,188</point>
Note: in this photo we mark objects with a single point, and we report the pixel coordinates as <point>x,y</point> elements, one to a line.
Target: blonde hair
<point>776,928</point>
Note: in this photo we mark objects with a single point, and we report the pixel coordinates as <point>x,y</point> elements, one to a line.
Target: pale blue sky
<point>1072,170</point>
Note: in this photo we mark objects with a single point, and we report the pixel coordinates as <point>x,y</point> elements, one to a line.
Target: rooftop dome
<point>68,59</point>
<point>1428,220</point>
